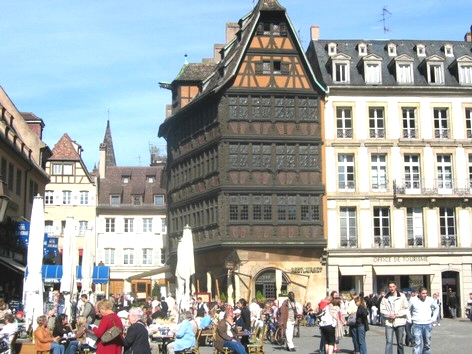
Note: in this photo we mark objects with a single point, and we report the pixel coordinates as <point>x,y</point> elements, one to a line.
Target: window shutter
<point>258,67</point>
<point>284,68</point>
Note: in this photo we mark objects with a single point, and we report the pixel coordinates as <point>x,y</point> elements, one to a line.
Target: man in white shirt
<point>424,311</point>
<point>255,310</point>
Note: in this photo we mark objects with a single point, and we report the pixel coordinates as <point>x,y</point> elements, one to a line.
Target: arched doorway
<point>265,283</point>
<point>450,280</point>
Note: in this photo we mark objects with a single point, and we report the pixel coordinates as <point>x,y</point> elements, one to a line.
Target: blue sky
<point>71,61</point>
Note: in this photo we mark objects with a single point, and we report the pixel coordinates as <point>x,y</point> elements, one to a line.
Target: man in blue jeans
<point>226,335</point>
<point>424,311</point>
<point>394,308</point>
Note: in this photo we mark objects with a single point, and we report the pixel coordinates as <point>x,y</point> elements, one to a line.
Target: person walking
<point>438,301</point>
<point>362,326</point>
<point>424,310</point>
<point>394,307</point>
<point>468,307</point>
<point>289,310</point>
<point>452,303</point>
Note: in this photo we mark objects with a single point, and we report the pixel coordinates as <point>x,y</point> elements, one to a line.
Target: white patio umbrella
<point>33,290</point>
<point>69,263</point>
<point>185,268</point>
<point>87,263</point>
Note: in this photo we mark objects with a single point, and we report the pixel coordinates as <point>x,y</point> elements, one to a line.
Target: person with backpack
<point>87,309</point>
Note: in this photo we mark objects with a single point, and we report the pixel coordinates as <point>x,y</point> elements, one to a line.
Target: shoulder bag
<point>112,333</point>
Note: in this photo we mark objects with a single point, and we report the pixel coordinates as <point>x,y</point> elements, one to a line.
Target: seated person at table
<point>10,328</point>
<point>184,336</point>
<point>206,323</point>
<point>137,337</point>
<point>43,339</point>
<point>62,328</point>
<point>226,335</point>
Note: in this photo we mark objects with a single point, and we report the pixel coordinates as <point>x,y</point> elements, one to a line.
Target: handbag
<point>111,334</point>
<point>4,346</point>
<point>352,319</point>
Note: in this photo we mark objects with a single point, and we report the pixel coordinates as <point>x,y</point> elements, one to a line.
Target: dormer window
<point>137,199</point>
<point>362,49</point>
<point>404,69</point>
<point>421,50</point>
<point>435,70</point>
<point>332,49</point>
<point>448,50</point>
<point>392,50</point>
<point>464,68</point>
<point>340,67</point>
<point>125,178</point>
<point>115,200</point>
<point>373,69</point>
<point>151,179</point>
<point>275,29</point>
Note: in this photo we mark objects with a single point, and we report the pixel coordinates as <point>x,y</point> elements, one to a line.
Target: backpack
<point>92,314</point>
<point>326,319</point>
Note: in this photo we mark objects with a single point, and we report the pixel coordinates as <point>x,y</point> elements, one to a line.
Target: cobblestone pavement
<point>449,338</point>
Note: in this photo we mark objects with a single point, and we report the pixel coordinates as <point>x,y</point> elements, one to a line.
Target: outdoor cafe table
<point>162,340</point>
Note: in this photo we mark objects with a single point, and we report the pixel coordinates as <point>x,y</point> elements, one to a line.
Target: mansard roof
<point>405,49</point>
<point>137,183</point>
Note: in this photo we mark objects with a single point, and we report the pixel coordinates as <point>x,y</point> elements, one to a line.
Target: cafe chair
<point>215,351</point>
<point>257,344</point>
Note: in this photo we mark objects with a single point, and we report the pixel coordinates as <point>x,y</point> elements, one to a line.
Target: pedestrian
<point>340,323</point>
<point>438,301</point>
<point>394,308</point>
<point>362,326</point>
<point>424,310</point>
<point>321,306</point>
<point>328,322</point>
<point>451,302</point>
<point>468,307</point>
<point>289,311</point>
<point>136,340</point>
<point>109,319</point>
<point>352,308</point>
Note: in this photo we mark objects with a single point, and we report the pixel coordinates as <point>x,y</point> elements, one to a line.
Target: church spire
<point>107,145</point>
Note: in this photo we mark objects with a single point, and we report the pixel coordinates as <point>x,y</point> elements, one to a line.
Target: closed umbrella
<point>34,288</point>
<point>87,263</point>
<point>185,268</point>
<point>69,263</point>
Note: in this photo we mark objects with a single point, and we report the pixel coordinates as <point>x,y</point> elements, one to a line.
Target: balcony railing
<point>442,133</point>
<point>382,241</point>
<point>344,133</point>
<point>348,242</point>
<point>433,186</point>
<point>410,133</point>
<point>377,133</point>
<point>449,240</point>
<point>347,186</point>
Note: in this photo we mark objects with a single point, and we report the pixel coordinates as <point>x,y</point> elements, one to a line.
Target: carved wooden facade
<point>244,157</point>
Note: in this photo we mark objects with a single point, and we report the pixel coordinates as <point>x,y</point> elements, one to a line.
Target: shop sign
<point>306,270</point>
<point>401,259</point>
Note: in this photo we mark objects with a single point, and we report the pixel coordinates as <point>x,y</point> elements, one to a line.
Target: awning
<point>52,273</point>
<point>351,271</point>
<point>12,264</point>
<point>150,273</point>
<point>100,274</point>
<point>404,270</point>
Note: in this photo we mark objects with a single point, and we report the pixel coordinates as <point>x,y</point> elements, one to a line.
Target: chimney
<point>231,29</point>
<point>216,52</point>
<point>102,160</point>
<point>315,32</point>
<point>468,36</point>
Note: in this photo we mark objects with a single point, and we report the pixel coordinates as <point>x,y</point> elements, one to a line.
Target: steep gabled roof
<point>65,149</point>
<point>233,55</point>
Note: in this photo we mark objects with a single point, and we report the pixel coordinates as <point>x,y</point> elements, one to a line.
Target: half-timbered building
<point>244,164</point>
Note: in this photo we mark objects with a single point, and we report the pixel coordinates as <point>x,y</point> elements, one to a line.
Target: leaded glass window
<point>261,156</point>
<point>309,156</point>
<point>238,156</point>
<point>285,156</point>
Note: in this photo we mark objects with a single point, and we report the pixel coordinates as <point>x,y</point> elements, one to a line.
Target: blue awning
<point>100,274</point>
<point>52,273</point>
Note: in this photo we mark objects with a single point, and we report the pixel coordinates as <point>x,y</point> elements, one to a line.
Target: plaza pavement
<point>452,337</point>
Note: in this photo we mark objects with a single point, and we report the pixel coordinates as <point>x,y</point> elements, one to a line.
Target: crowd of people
<point>408,319</point>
